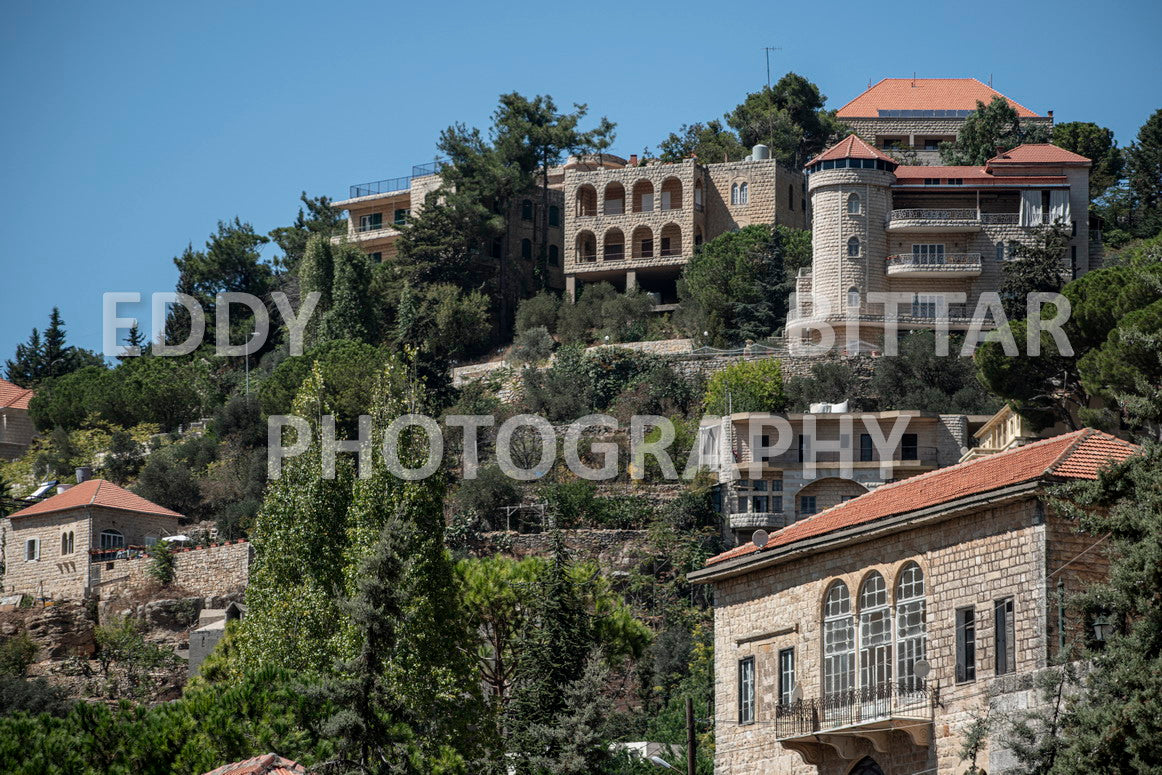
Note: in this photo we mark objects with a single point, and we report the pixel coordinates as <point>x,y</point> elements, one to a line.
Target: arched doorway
<point>866,766</point>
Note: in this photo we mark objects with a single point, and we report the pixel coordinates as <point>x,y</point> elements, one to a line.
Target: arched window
<point>526,249</point>
<point>526,210</point>
<point>743,193</point>
<point>734,194</point>
<point>854,206</point>
<point>586,247</point>
<point>554,215</point>
<point>875,637</point>
<point>838,642</point>
<point>554,255</point>
<point>614,199</point>
<point>911,638</point>
<point>586,201</point>
<point>853,247</point>
<point>853,298</point>
<point>66,543</point>
<point>112,539</point>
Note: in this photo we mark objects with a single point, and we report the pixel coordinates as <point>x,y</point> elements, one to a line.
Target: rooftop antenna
<point>990,80</point>
<point>913,79</point>
<point>768,50</point>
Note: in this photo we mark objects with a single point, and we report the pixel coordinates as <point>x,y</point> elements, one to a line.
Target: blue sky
<point>130,129</point>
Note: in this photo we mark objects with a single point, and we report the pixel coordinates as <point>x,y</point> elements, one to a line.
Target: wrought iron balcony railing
<point>910,699</point>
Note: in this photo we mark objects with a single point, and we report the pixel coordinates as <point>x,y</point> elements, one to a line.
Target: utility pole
<point>768,50</point>
<point>691,743</point>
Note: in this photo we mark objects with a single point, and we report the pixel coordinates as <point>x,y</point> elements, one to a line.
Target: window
<point>853,298</point>
<point>956,181</point>
<point>526,249</point>
<point>931,181</point>
<point>667,199</point>
<point>401,215</point>
<point>866,454</point>
<point>908,448</point>
<point>554,255</point>
<point>838,641</point>
<point>746,691</point>
<point>965,645</point>
<point>112,539</point>
<point>854,205</point>
<point>377,256</point>
<point>68,542</point>
<point>790,196</point>
<point>371,222</point>
<point>802,445</point>
<point>743,193</point>
<point>734,194</point>
<point>786,676</point>
<point>554,215</point>
<point>932,144</point>
<point>526,210</point>
<point>875,634</point>
<point>924,306</point>
<point>1006,652</point>
<point>927,254</point>
<point>32,550</point>
<point>853,247</point>
<point>1000,251</point>
<point>648,247</point>
<point>911,639</point>
<point>665,246</point>
<point>807,505</point>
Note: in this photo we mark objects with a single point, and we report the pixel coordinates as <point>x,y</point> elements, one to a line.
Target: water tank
<point>761,152</point>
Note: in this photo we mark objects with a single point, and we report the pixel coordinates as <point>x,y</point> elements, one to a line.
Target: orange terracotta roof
<point>1077,455</point>
<point>925,94</point>
<point>267,764</point>
<point>851,147</point>
<point>1038,153</point>
<point>13,396</point>
<point>96,492</point>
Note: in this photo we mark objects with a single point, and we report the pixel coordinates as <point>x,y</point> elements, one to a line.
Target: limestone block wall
<point>218,569</point>
<point>775,195</point>
<point>969,560</point>
<point>16,433</point>
<point>56,574</point>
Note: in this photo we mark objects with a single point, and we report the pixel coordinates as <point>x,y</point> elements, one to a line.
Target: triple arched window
<point>884,636</point>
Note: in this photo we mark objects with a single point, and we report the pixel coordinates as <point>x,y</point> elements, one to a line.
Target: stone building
<point>930,236</point>
<point>56,548</point>
<point>16,428</point>
<point>377,210</point>
<point>912,116</point>
<point>637,226</point>
<point>870,636</point>
<point>775,470</point>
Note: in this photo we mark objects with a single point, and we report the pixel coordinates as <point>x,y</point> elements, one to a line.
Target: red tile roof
<point>96,492</point>
<point>925,94</point>
<point>1038,153</point>
<point>851,147</point>
<point>13,396</point>
<point>267,764</point>
<point>1077,455</point>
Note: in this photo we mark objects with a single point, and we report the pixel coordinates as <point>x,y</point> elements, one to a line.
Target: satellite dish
<point>797,694</point>
<point>759,538</point>
<point>921,668</point>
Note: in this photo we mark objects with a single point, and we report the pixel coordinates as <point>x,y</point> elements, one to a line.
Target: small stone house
<point>869,637</point>
<point>16,428</point>
<point>54,548</point>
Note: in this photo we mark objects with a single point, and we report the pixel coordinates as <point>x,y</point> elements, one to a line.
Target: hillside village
<point>888,543</point>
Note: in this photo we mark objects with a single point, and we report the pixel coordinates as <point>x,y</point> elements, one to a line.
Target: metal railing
<point>920,214</point>
<point>920,455</point>
<point>910,699</point>
<point>402,183</point>
<point>937,260</point>
<point>1000,219</point>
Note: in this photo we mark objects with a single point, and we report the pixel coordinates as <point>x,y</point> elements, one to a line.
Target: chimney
<point>633,160</point>
<point>83,474</point>
<point>1050,118</point>
<point>1000,150</point>
<point>62,488</point>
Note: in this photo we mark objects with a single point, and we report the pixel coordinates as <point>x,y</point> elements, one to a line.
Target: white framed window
<point>838,642</point>
<point>746,690</point>
<point>924,305</point>
<point>67,542</point>
<point>371,222</point>
<point>112,539</point>
<point>786,676</point>
<point>911,639</point>
<point>875,634</point>
<point>31,549</point>
<point>853,298</point>
<point>854,205</point>
<point>743,193</point>
<point>734,194</point>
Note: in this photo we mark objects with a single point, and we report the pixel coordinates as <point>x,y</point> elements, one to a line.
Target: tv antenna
<point>767,50</point>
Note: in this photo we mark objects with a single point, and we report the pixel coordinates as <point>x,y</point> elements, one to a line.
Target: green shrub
<point>538,312</point>
<point>16,654</point>
<point>532,345</point>
<point>748,386</point>
<point>161,564</point>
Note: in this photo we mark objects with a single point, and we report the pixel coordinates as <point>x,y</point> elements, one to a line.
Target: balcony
<point>392,185</point>
<point>943,265</point>
<point>916,220</point>
<point>753,520</point>
<point>904,457</point>
<point>842,721</point>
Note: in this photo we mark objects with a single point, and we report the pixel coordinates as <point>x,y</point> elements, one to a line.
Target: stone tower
<point>850,190</point>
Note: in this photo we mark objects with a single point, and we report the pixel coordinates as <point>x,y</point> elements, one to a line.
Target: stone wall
<point>218,569</point>
<point>16,432</point>
<point>612,549</point>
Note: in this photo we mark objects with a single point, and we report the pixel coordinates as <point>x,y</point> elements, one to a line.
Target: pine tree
<point>988,128</point>
<point>25,369</point>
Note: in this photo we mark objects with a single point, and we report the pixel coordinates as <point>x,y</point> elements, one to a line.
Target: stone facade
<point>67,540</point>
<point>917,137</point>
<point>1013,548</point>
<point>637,226</point>
<point>16,432</point>
<point>215,570</point>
